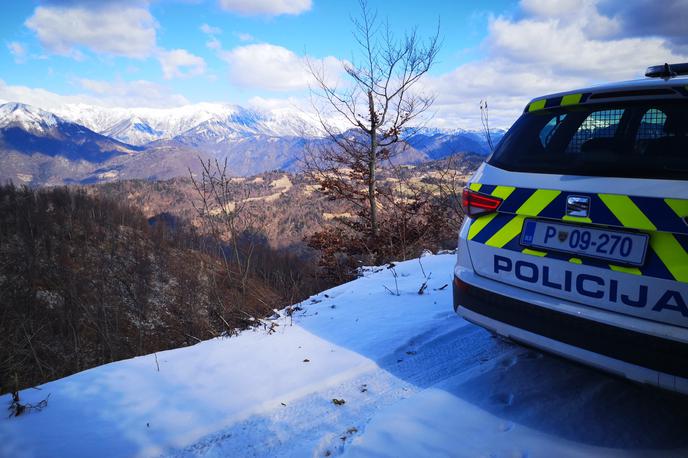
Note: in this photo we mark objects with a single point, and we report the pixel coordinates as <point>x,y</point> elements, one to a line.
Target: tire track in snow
<point>313,425</point>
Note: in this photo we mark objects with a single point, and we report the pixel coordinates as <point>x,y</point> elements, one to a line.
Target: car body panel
<point>644,302</point>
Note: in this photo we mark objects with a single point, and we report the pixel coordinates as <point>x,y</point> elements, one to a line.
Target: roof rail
<point>667,70</point>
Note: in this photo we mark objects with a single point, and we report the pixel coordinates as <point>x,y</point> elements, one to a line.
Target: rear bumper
<point>642,357</point>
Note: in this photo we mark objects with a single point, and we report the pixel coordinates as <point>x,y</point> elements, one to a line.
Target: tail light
<point>475,203</point>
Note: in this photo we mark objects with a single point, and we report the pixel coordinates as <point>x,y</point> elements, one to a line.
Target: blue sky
<point>251,52</point>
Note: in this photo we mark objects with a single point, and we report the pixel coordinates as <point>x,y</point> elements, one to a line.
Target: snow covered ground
<point>411,378</point>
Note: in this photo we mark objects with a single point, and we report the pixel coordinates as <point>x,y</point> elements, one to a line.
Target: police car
<point>576,235</point>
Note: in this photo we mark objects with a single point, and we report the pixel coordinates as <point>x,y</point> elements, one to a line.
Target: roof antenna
<point>667,73</point>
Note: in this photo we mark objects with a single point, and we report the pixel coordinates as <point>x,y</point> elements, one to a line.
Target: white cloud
<point>266,7</point>
<point>555,46</point>
<point>244,36</point>
<point>213,43</point>
<point>210,30</point>
<point>568,49</point>
<point>506,85</point>
<point>138,93</point>
<point>271,67</point>
<point>121,29</point>
<point>36,96</point>
<point>112,29</point>
<point>95,86</point>
<point>583,13</point>
<point>18,50</point>
<point>280,104</point>
<point>180,63</point>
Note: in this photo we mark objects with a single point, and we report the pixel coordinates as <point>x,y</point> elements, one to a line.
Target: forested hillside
<point>87,280</point>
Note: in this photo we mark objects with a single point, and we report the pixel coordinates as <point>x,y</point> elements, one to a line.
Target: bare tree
<point>485,121</point>
<point>223,209</point>
<point>377,103</point>
<point>451,180</point>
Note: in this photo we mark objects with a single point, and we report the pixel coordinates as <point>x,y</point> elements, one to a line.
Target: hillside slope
<point>409,378</point>
<point>85,281</point>
<point>288,205</point>
<point>37,147</point>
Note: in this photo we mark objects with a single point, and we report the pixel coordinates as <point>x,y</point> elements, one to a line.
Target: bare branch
<point>378,103</point>
<point>485,121</point>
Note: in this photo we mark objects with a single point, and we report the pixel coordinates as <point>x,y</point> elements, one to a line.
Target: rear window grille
<point>599,124</point>
<point>629,139</point>
<point>652,125</point>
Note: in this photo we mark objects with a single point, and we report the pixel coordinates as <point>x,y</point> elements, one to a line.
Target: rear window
<point>633,139</point>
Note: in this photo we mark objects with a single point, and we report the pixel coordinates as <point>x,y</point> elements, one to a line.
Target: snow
<point>416,380</point>
<point>200,122</point>
<point>27,117</point>
<point>139,126</point>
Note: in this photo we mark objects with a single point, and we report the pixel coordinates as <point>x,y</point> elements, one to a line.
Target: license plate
<point>617,246</point>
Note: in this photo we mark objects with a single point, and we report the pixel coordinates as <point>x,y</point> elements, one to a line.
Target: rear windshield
<point>631,139</point>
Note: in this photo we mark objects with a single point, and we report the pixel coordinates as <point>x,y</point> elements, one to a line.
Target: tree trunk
<point>371,165</point>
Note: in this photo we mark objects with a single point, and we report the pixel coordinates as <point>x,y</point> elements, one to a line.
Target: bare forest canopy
<point>90,275</point>
<point>289,206</point>
<point>86,280</point>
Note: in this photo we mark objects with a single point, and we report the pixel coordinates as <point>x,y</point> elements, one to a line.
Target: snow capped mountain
<point>37,147</point>
<point>83,143</point>
<point>440,143</point>
<point>26,117</point>
<point>219,122</point>
<point>139,125</point>
<point>215,123</point>
<point>134,131</point>
<point>430,131</point>
<point>31,130</point>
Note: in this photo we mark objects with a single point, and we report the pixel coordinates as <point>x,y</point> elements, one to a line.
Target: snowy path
<point>416,381</point>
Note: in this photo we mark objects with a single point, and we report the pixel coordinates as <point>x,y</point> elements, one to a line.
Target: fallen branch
<point>192,337</point>
<point>423,287</point>
<point>390,291</point>
<point>16,408</point>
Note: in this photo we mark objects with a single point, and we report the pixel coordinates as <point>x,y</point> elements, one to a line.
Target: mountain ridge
<point>88,144</point>
<point>167,123</point>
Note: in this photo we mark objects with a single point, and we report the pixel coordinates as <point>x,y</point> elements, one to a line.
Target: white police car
<point>576,236</point>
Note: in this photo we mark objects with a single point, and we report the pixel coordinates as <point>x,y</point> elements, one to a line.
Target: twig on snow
<point>16,408</point>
